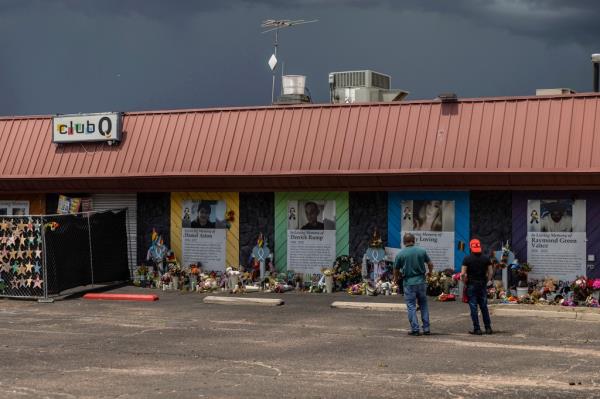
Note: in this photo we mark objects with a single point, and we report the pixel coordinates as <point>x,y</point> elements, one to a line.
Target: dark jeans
<point>477,294</point>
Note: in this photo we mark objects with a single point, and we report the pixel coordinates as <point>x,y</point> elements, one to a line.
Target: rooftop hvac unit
<point>361,79</point>
<point>362,86</point>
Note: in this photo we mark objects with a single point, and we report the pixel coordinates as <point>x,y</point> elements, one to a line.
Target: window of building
<point>14,208</point>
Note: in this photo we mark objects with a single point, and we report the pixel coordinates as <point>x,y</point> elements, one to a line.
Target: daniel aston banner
<point>204,234</point>
<point>432,224</point>
<point>311,235</point>
<point>556,238</point>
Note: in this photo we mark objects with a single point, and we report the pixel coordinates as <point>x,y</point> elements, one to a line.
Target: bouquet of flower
<point>194,270</point>
<point>208,284</point>
<point>142,270</point>
<point>357,289</point>
<point>345,272</point>
<point>446,297</point>
<point>594,284</point>
<point>525,299</point>
<point>568,302</point>
<point>434,284</point>
<point>580,289</point>
<point>591,302</point>
<point>549,285</point>
<point>155,277</point>
<point>343,263</point>
<point>175,270</point>
<point>229,218</point>
<point>165,280</point>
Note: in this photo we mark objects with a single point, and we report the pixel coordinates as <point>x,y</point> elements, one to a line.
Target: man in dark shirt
<point>476,272</point>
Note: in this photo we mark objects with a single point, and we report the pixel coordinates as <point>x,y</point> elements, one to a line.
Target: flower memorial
<point>441,282</point>
<point>550,291</point>
<point>346,272</point>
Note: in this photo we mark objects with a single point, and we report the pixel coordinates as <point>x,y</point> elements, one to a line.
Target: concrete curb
<point>385,307</point>
<point>223,300</point>
<point>546,314</point>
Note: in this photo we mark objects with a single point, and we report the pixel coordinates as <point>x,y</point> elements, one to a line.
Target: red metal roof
<point>500,142</point>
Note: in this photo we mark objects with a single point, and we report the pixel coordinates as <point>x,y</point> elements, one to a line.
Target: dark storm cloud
<point>549,20</point>
<point>151,8</point>
<point>97,55</point>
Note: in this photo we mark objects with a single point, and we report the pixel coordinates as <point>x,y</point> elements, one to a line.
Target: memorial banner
<point>432,224</point>
<point>204,234</point>
<point>556,238</point>
<point>311,235</point>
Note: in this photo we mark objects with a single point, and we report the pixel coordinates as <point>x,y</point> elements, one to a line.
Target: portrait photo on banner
<point>203,214</point>
<point>311,215</point>
<point>556,216</point>
<point>427,215</point>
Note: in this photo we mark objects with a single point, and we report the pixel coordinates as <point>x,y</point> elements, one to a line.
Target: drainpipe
<point>596,63</point>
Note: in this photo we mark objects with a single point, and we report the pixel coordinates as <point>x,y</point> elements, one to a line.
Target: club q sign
<point>87,127</point>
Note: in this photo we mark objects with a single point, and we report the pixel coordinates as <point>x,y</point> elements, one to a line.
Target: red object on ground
<point>122,297</point>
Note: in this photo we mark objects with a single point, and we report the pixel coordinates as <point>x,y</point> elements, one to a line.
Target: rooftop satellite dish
<point>274,25</point>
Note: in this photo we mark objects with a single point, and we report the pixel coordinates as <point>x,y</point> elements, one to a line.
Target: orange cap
<point>475,246</point>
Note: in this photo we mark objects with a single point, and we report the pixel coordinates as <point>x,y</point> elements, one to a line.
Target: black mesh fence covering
<point>43,256</point>
<point>67,252</point>
<point>109,247</point>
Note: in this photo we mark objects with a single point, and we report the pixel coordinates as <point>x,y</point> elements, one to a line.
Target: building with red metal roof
<point>472,143</point>
<point>483,162</point>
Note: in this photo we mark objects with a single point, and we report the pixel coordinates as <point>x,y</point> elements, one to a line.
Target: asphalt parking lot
<point>180,347</point>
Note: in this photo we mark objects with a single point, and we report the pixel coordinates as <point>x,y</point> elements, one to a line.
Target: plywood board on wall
<point>232,202</point>
<point>281,219</point>
<point>461,217</point>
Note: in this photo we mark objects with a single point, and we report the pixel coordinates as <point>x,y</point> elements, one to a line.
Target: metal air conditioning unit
<point>362,87</point>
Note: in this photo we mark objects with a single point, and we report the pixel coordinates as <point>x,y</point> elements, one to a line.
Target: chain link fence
<point>42,256</point>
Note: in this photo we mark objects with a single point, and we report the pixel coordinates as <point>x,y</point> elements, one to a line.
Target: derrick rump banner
<point>556,238</point>
<point>310,235</point>
<point>432,224</point>
<point>204,234</point>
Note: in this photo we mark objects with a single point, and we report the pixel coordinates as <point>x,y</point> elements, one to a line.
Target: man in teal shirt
<point>411,261</point>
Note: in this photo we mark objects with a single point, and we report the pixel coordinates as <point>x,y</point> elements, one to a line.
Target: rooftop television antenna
<point>274,25</point>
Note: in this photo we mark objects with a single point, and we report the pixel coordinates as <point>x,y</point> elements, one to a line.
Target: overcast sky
<point>68,56</point>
